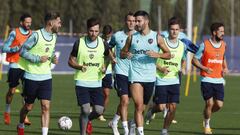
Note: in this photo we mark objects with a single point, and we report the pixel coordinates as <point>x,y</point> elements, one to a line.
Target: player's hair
<point>51,16</point>
<point>107,29</point>
<point>24,16</point>
<point>128,14</point>
<point>215,26</point>
<point>92,22</point>
<point>142,13</point>
<point>174,20</point>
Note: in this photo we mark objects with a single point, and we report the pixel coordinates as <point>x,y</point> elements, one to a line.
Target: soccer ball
<point>65,123</point>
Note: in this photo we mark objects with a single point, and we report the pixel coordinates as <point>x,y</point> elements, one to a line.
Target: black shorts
<point>107,81</point>
<point>14,75</point>
<point>148,88</point>
<point>121,84</point>
<point>212,90</point>
<point>37,89</point>
<point>85,95</point>
<point>167,94</point>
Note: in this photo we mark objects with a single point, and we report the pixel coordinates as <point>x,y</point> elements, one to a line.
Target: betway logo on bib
<point>90,64</point>
<point>215,61</point>
<point>139,51</point>
<point>170,63</point>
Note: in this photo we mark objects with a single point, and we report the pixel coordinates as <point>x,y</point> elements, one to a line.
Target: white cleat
<point>114,128</point>
<point>101,118</point>
<point>174,121</point>
<point>132,127</point>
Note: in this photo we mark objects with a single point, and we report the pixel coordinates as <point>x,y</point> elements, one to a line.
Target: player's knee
<point>28,107</point>
<point>45,108</point>
<point>11,91</point>
<point>139,107</point>
<point>99,109</point>
<point>125,102</point>
<point>86,109</point>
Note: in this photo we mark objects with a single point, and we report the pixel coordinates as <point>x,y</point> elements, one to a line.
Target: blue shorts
<point>167,94</point>
<point>14,75</point>
<point>107,81</point>
<point>210,90</point>
<point>85,95</point>
<point>37,89</point>
<point>121,84</point>
<point>148,88</point>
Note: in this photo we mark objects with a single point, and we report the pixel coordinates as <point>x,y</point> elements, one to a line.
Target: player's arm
<point>166,53</point>
<point>196,60</point>
<point>6,47</point>
<point>27,46</point>
<point>72,61</point>
<point>125,50</point>
<point>225,66</point>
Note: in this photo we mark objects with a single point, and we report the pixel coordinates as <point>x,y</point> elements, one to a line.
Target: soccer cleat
<point>114,128</point>
<point>153,116</point>
<point>132,127</point>
<point>207,131</point>
<point>101,118</point>
<point>20,130</point>
<point>164,132</point>
<point>148,117</point>
<point>89,128</point>
<point>174,121</point>
<point>7,119</point>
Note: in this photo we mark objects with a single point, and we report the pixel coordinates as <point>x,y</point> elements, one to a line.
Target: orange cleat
<point>20,131</point>
<point>89,128</point>
<point>7,119</point>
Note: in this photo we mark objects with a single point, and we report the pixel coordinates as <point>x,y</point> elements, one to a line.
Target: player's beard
<point>26,27</point>
<point>218,39</point>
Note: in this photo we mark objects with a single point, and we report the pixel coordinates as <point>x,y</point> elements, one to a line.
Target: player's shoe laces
<point>89,128</point>
<point>101,118</point>
<point>132,127</point>
<point>20,130</point>
<point>26,121</point>
<point>114,128</point>
<point>7,118</point>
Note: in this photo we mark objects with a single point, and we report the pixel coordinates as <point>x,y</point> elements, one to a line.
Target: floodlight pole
<point>189,29</point>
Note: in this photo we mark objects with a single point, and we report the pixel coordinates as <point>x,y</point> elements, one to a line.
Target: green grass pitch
<point>189,111</point>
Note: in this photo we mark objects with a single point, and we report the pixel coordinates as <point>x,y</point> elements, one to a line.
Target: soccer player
<point>143,49</point>
<point>167,89</point>
<point>12,47</point>
<point>107,80</point>
<point>37,54</point>
<point>121,69</point>
<point>191,48</point>
<point>89,58</point>
<point>210,59</point>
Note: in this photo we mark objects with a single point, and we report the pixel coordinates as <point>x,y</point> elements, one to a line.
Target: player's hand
<point>55,60</point>
<point>164,70</point>
<point>44,58</point>
<point>114,61</point>
<point>225,71</point>
<point>83,69</point>
<point>183,70</point>
<point>103,69</point>
<point>208,70</point>
<point>129,55</point>
<point>152,54</point>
